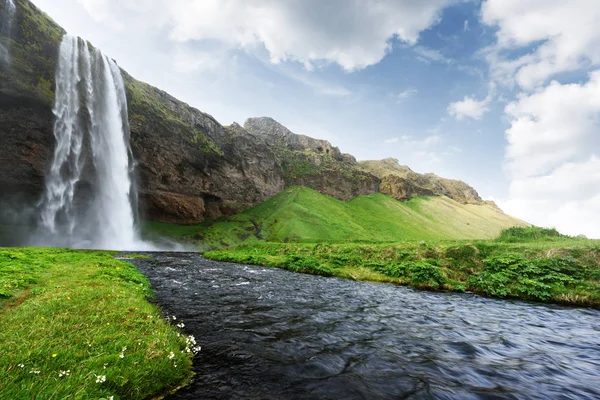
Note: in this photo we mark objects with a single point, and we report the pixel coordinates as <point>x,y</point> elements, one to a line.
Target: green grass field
<point>524,263</point>
<point>299,214</point>
<point>77,325</point>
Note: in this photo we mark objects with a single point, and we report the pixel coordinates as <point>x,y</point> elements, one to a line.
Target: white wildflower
<point>171,356</point>
<point>180,325</point>
<point>21,366</point>
<point>100,378</point>
<point>64,373</point>
<point>34,371</point>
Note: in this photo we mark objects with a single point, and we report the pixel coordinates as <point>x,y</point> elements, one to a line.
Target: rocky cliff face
<point>314,163</point>
<point>26,99</point>
<point>190,167</point>
<point>400,182</point>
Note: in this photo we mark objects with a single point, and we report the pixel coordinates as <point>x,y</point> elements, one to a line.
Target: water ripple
<point>272,334</point>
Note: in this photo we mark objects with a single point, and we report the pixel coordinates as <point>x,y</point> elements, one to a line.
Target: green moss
<point>34,49</point>
<point>148,106</point>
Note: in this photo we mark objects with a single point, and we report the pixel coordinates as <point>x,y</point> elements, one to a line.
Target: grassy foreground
<point>524,263</point>
<point>300,214</point>
<point>77,325</point>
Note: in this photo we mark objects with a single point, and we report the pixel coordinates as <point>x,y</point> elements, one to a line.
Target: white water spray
<point>89,196</point>
<point>6,26</point>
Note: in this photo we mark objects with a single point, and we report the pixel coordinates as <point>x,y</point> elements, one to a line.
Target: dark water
<point>272,334</point>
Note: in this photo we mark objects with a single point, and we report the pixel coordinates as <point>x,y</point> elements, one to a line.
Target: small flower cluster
<point>123,352</point>
<point>64,373</point>
<point>190,345</point>
<point>100,378</point>
<point>180,325</point>
<point>171,356</point>
<point>21,366</point>
<point>34,371</point>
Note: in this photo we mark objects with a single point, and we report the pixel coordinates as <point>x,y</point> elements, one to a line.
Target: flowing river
<point>271,334</point>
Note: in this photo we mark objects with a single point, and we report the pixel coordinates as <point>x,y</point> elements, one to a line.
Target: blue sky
<point>498,93</point>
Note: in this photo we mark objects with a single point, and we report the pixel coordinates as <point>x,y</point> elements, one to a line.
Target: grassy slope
<point>86,313</point>
<point>300,214</point>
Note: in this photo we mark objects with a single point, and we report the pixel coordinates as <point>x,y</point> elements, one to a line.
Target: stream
<point>267,333</point>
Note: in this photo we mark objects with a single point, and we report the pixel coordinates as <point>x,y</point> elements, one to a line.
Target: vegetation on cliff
<point>34,43</point>
<point>300,214</point>
<point>149,106</point>
<point>402,183</point>
<point>77,324</point>
<point>551,268</point>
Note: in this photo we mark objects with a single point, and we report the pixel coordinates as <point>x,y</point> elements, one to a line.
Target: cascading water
<point>89,199</point>
<point>6,25</point>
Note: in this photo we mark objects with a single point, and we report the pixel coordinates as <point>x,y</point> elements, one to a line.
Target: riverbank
<point>523,263</point>
<point>79,324</point>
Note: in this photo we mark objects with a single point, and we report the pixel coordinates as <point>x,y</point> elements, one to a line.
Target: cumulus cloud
<point>552,143</point>
<point>552,156</point>
<point>558,36</point>
<point>352,34</point>
<point>469,107</point>
<point>552,126</point>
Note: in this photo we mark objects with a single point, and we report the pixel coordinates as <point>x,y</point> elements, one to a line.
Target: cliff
<point>189,166</point>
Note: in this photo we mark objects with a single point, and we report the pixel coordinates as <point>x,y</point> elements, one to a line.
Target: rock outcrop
<point>313,163</point>
<point>400,182</point>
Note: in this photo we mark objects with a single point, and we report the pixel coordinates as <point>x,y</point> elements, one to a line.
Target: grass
<point>299,214</point>
<point>554,269</point>
<point>77,324</point>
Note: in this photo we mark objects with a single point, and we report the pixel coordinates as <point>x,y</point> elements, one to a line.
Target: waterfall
<point>89,196</point>
<point>6,25</point>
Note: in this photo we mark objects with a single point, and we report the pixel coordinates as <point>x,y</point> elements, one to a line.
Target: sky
<point>503,94</point>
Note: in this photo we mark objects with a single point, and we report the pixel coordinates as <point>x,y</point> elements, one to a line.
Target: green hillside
<point>299,214</point>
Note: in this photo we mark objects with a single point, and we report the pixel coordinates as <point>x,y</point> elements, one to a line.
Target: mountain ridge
<point>189,166</point>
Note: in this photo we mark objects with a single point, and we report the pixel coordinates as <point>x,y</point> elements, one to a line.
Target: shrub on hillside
<point>514,275</point>
<point>299,263</point>
<point>426,273</point>
<point>528,234</point>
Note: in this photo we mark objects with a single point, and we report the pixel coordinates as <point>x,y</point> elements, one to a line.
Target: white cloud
<point>352,34</point>
<point>405,94</point>
<point>421,145</point>
<point>565,36</point>
<point>553,126</point>
<point>552,157</point>
<point>189,62</point>
<point>568,198</point>
<point>469,107</point>
<point>552,144</point>
<point>430,55</point>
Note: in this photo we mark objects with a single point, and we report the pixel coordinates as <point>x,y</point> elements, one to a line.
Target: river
<point>272,334</point>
